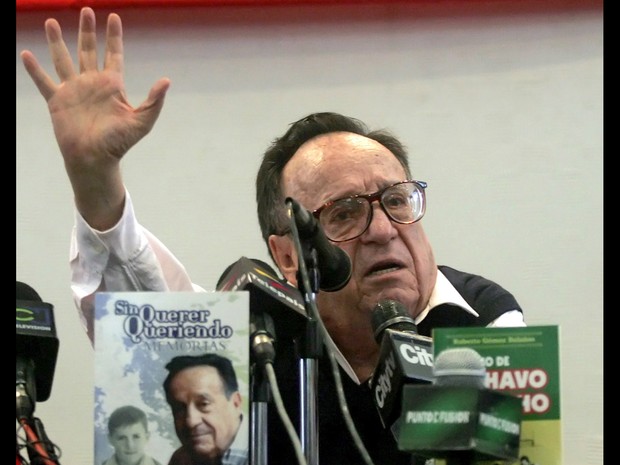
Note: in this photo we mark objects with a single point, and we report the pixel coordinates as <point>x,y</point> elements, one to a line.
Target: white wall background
<point>500,104</point>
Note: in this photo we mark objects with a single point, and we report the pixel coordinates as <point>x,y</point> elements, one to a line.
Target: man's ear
<point>285,256</point>
<point>236,399</point>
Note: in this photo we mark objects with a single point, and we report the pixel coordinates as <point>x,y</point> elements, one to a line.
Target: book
<point>524,362</point>
<point>138,333</point>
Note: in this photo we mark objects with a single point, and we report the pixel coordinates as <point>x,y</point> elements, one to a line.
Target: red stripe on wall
<point>25,5</point>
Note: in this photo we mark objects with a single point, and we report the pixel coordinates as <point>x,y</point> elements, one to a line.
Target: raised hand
<point>94,123</point>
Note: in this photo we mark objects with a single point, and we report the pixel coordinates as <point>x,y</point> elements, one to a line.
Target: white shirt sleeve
<point>126,257</point>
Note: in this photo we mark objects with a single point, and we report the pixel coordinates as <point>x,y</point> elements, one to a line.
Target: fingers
<point>87,45</point>
<point>58,50</point>
<point>42,80</point>
<point>87,51</point>
<point>87,41</point>
<point>114,44</point>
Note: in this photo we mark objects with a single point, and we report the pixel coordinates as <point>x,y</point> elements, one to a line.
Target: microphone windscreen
<point>460,366</point>
<point>393,315</point>
<point>24,292</point>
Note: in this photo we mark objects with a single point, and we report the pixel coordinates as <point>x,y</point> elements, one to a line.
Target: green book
<point>523,362</point>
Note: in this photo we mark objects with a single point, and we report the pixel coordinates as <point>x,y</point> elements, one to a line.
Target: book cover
<point>137,334</point>
<point>524,362</point>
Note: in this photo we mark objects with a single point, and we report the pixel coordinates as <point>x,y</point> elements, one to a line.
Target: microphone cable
<point>314,313</point>
<point>288,424</point>
<point>261,344</point>
<point>41,450</point>
<point>342,401</point>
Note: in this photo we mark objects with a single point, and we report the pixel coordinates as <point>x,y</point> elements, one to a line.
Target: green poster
<point>523,362</point>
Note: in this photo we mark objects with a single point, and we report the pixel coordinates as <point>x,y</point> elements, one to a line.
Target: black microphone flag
<point>268,294</point>
<point>405,357</point>
<point>35,338</point>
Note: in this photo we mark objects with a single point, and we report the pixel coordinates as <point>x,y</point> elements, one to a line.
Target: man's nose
<point>380,224</point>
<point>192,416</point>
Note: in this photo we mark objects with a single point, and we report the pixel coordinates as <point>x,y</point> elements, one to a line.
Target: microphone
<point>460,366</point>
<point>36,349</point>
<point>334,264</point>
<point>282,303</point>
<point>457,418</point>
<point>405,358</point>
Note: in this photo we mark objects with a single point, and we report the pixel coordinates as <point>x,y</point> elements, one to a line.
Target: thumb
<point>151,107</point>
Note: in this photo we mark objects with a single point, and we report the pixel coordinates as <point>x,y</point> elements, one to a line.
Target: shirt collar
<point>444,293</point>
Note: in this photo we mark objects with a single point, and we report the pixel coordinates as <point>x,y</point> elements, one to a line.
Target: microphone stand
<point>309,349</point>
<point>309,346</point>
<point>260,395</point>
<point>40,449</point>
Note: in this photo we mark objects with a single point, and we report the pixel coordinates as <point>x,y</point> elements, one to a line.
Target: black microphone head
<point>335,266</point>
<point>24,292</point>
<point>460,366</point>
<point>336,270</point>
<point>307,225</point>
<point>393,315</point>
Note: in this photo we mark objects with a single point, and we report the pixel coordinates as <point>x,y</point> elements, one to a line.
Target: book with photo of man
<point>172,377</point>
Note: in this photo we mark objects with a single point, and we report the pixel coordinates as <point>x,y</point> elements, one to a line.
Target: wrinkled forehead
<point>339,164</point>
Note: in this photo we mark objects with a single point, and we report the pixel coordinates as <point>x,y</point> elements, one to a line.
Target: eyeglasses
<point>347,218</point>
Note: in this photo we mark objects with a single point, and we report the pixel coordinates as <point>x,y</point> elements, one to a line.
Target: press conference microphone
<point>405,358</point>
<point>268,294</point>
<point>36,348</point>
<point>334,264</point>
<point>457,418</point>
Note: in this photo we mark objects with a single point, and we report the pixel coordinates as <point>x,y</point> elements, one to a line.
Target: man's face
<point>390,260</point>
<point>129,442</point>
<point>205,421</point>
